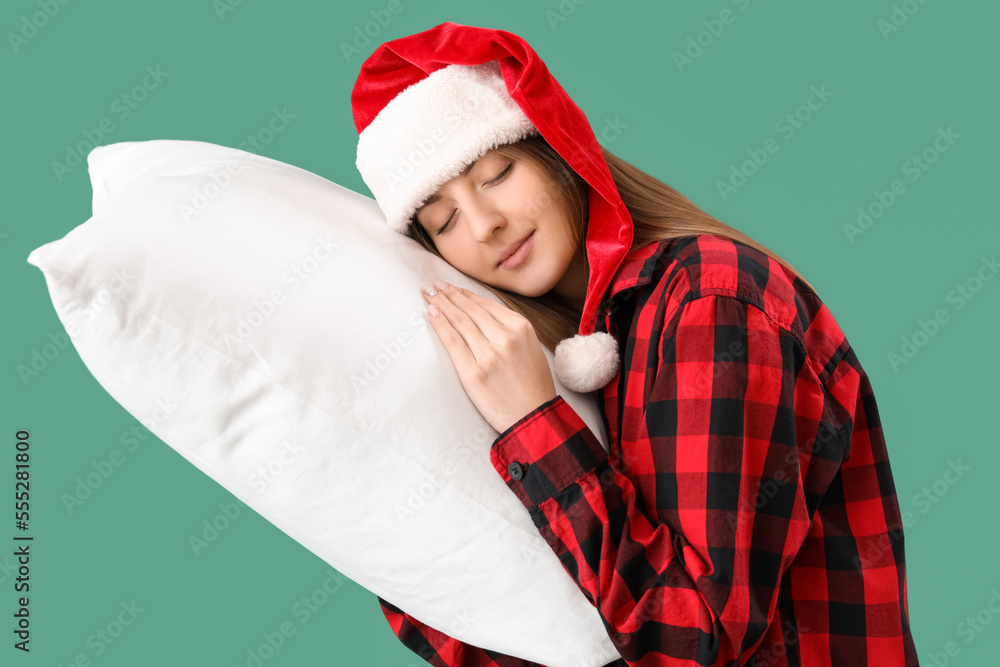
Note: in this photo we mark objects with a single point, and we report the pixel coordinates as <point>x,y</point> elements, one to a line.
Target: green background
<point>688,125</point>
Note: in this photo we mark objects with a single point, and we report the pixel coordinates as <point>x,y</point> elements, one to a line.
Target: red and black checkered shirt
<point>746,512</point>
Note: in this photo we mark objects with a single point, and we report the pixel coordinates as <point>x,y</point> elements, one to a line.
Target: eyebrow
<point>434,198</point>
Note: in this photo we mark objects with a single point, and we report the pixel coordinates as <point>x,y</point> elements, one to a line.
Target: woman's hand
<point>499,359</point>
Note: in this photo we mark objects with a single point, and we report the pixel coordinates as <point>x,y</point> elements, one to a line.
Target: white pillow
<point>283,318</point>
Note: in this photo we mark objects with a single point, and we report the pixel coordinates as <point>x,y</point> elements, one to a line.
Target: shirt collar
<point>632,273</point>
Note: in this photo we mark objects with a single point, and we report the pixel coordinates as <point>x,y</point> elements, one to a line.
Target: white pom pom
<point>586,363</point>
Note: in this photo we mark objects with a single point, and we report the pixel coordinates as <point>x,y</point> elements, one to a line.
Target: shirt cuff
<point>545,451</point>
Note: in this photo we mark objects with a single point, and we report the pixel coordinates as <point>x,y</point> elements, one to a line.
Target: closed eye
<point>502,173</point>
<point>497,179</point>
<point>442,228</point>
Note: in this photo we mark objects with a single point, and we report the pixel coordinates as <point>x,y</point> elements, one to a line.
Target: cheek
<point>464,256</point>
<point>536,201</point>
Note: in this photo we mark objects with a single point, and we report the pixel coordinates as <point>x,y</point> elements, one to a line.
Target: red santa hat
<point>427,105</point>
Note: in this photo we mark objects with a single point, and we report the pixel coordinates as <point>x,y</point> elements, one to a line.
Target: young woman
<point>745,514</point>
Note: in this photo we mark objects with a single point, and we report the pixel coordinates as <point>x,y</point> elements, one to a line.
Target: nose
<point>484,219</point>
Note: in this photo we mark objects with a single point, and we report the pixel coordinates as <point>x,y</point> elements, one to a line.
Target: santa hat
<point>427,105</point>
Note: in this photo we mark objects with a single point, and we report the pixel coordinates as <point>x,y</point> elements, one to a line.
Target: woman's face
<point>477,217</point>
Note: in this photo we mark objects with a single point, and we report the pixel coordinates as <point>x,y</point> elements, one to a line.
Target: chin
<point>533,294</point>
<point>534,288</point>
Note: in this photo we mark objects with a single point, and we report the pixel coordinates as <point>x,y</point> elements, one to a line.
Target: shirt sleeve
<point>441,650</point>
<point>690,576</point>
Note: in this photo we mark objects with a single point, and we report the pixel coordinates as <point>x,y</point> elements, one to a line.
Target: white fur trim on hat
<point>586,363</point>
<point>431,131</point>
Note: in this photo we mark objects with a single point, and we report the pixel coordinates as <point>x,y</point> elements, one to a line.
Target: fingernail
<point>440,284</point>
<point>429,290</point>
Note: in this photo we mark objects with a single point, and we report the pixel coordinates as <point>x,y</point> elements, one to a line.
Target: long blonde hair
<point>658,212</point>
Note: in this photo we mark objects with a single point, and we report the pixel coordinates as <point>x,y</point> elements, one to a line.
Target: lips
<point>512,248</point>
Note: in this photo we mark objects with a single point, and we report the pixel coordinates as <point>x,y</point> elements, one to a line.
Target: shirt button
<point>516,470</point>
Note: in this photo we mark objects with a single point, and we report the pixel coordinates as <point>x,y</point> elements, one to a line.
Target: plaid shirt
<point>746,513</point>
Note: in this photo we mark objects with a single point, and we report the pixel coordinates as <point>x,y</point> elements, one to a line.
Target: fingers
<point>454,343</point>
<point>473,302</point>
<point>470,316</point>
<point>501,313</point>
